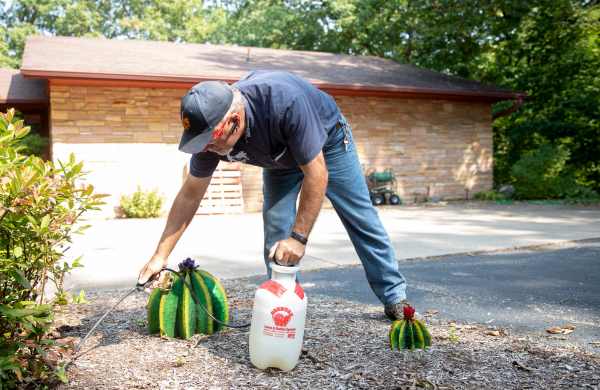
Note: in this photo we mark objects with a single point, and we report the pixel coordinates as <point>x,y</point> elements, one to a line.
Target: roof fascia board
<point>180,82</point>
<point>43,74</point>
<point>406,95</point>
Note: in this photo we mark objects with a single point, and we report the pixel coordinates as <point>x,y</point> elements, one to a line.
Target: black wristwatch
<point>299,237</point>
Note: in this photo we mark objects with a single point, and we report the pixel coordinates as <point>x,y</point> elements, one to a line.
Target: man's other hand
<point>153,267</point>
<point>287,252</point>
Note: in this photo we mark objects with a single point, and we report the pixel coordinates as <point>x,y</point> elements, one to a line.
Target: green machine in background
<point>383,183</point>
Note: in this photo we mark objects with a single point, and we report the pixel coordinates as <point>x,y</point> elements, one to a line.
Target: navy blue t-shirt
<point>287,120</point>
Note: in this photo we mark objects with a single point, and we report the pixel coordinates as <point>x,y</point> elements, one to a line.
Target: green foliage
<point>542,175</point>
<point>547,48</point>
<point>453,337</point>
<point>164,20</point>
<point>142,204</point>
<point>538,175</point>
<point>295,24</point>
<point>559,64</point>
<point>39,205</point>
<point>488,195</point>
<point>173,20</point>
<point>33,144</point>
<point>79,299</point>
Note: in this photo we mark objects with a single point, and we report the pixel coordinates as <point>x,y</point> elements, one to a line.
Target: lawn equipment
<point>382,183</point>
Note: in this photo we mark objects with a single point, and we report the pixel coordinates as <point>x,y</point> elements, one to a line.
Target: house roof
<point>130,61</point>
<point>15,89</point>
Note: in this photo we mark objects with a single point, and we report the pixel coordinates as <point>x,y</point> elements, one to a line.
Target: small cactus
<point>172,310</point>
<point>409,333</point>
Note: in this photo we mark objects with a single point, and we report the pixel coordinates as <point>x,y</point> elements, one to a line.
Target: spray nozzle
<point>142,287</point>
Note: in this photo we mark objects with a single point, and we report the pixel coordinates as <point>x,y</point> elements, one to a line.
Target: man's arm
<point>291,251</point>
<point>183,210</point>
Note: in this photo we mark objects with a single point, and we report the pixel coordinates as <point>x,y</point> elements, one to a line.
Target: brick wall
<point>126,136</point>
<point>129,137</point>
<point>115,115</point>
<point>445,145</point>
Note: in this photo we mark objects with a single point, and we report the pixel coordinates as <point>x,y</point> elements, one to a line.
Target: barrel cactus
<point>172,310</point>
<point>409,333</point>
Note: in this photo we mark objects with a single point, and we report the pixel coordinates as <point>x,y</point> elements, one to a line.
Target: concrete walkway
<point>230,246</point>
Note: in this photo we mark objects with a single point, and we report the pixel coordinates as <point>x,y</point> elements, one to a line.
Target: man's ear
<point>235,117</point>
<point>236,122</point>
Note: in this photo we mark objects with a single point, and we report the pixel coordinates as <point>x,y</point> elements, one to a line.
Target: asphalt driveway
<point>530,290</point>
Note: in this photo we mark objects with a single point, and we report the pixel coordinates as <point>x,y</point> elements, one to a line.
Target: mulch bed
<point>345,346</point>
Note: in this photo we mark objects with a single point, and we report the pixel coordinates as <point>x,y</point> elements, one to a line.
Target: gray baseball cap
<point>201,110</point>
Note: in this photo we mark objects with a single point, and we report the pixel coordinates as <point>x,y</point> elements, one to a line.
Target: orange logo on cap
<point>186,123</point>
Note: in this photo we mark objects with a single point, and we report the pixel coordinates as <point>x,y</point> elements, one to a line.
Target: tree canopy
<point>547,48</point>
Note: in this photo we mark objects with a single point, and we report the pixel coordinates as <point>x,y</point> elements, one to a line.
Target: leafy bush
<point>578,192</point>
<point>142,204</point>
<point>39,205</point>
<point>33,144</point>
<point>542,175</point>
<point>488,195</point>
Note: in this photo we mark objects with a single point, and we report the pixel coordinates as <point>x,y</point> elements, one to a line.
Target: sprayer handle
<point>142,287</point>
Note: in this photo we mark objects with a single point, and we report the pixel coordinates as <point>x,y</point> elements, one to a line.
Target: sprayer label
<point>279,332</point>
<point>299,291</point>
<point>274,287</point>
<point>281,317</point>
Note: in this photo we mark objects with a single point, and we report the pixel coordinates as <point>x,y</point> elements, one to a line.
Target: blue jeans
<point>348,193</point>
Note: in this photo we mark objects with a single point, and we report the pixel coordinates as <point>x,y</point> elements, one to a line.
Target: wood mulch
<point>345,347</point>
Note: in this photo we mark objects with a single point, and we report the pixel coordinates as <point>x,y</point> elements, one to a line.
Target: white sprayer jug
<point>278,318</point>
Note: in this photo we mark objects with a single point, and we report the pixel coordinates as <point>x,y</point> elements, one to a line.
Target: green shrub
<point>488,195</point>
<point>578,192</point>
<point>33,144</point>
<point>537,175</point>
<point>542,175</point>
<point>142,204</point>
<point>39,205</point>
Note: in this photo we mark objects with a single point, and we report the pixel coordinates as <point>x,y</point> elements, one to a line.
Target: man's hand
<point>153,267</point>
<point>291,251</point>
<point>183,210</point>
<point>287,252</point>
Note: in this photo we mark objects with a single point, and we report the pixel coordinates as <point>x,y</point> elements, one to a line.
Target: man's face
<point>224,142</point>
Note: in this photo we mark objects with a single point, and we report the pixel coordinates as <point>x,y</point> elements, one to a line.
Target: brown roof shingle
<point>187,62</point>
<point>14,88</point>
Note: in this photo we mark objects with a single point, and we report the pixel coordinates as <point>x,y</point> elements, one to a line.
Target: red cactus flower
<point>409,312</point>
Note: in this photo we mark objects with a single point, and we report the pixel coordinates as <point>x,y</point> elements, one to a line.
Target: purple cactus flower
<point>188,264</point>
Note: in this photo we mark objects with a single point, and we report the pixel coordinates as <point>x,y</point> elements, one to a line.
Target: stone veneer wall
<point>445,145</point>
<point>126,136</point>
<point>129,136</point>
